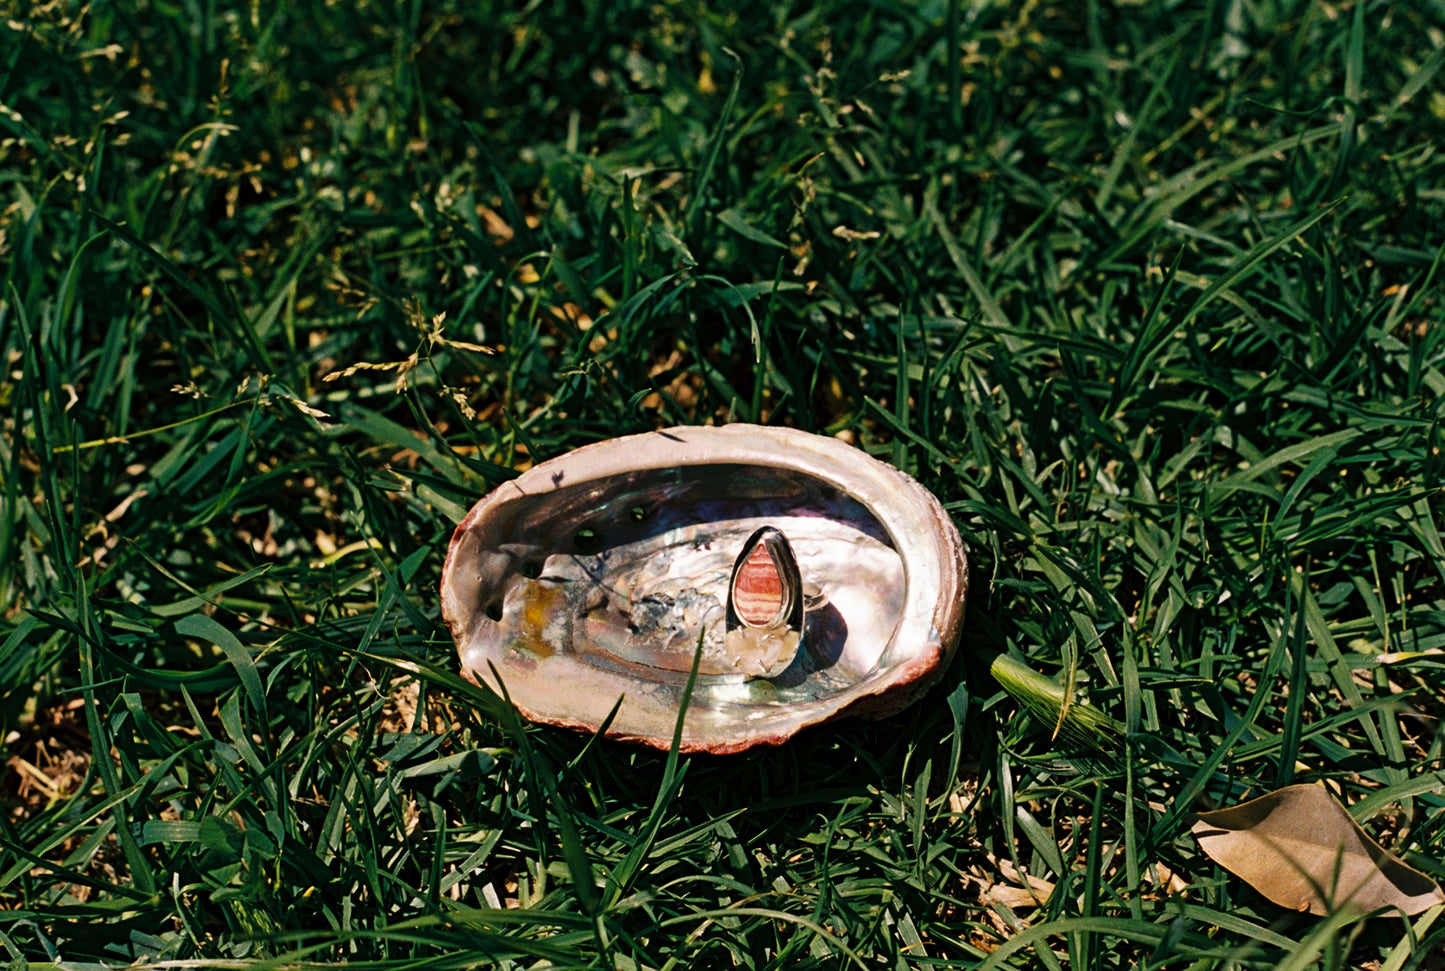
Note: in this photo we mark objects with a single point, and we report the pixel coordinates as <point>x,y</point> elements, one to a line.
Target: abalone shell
<point>604,573</point>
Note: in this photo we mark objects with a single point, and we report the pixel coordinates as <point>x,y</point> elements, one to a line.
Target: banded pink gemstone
<point>758,590</point>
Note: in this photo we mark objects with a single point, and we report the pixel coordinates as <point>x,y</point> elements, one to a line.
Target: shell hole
<point>494,611</point>
<point>586,539</point>
<point>532,569</point>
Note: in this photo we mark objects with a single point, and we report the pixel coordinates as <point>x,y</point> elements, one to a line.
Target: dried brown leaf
<point>1303,850</point>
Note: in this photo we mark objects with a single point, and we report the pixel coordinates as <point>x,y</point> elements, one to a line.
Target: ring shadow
<point>824,637</point>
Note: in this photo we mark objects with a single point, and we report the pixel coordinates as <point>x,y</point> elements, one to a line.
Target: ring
<point>765,608</point>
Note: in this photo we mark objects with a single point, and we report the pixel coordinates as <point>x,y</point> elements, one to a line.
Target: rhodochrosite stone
<point>758,590</point>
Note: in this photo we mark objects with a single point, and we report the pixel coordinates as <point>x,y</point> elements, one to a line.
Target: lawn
<point>1148,294</point>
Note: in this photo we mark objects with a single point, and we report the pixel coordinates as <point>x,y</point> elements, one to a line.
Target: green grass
<point>1148,294</point>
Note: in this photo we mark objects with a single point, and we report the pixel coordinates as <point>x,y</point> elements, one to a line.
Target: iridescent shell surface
<point>602,573</point>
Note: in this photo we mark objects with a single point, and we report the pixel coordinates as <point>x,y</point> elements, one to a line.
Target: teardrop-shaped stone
<point>758,590</point>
